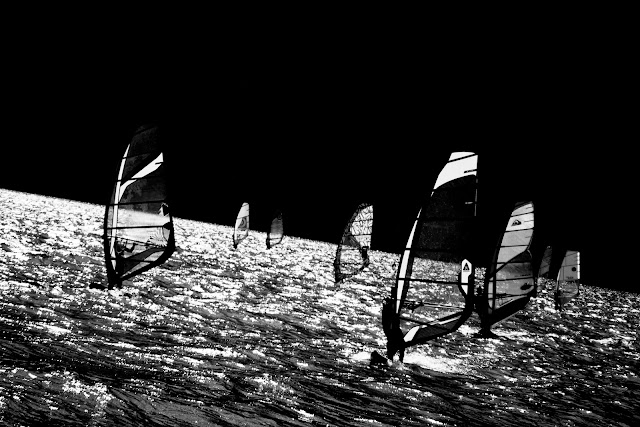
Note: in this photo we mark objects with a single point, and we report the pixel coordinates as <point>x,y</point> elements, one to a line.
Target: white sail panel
<point>570,267</point>
<point>404,263</point>
<point>460,164</point>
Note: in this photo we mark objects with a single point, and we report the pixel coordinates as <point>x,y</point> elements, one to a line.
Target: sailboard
<point>568,283</point>
<point>509,282</point>
<point>241,228</point>
<point>352,254</point>
<point>275,234</point>
<point>138,227</point>
<point>434,287</point>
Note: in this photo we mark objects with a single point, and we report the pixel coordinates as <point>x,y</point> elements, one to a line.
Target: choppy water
<point>265,338</point>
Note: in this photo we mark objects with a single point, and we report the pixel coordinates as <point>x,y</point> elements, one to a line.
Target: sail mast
<point>138,227</point>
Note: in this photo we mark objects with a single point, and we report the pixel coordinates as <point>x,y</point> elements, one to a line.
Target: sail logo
<point>516,222</point>
<point>466,272</point>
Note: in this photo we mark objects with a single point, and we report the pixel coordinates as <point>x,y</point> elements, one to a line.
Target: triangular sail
<point>241,229</point>
<point>138,228</point>
<point>275,234</point>
<point>545,264</point>
<point>433,296</point>
<point>568,284</point>
<point>352,254</point>
<point>509,282</point>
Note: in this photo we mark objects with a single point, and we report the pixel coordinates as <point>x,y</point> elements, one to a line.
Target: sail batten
<point>138,227</point>
<point>352,253</point>
<point>434,267</point>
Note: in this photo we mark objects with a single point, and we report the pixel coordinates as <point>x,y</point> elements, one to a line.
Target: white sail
<point>509,283</point>
<point>241,228</point>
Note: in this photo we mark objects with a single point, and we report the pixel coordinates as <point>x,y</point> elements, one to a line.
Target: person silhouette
<point>391,328</point>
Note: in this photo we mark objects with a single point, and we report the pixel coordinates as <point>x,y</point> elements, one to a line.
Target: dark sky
<point>317,138</point>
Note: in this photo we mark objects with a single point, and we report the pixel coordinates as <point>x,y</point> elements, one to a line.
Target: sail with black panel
<point>138,227</point>
<point>433,292</point>
<point>275,233</point>
<point>545,264</point>
<point>352,253</point>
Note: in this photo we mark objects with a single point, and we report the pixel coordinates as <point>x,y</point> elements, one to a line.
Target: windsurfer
<point>557,300</point>
<point>391,328</point>
<point>120,247</point>
<point>119,267</point>
<point>481,303</point>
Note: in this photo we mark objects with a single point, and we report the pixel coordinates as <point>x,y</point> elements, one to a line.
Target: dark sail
<point>241,229</point>
<point>509,283</point>
<point>568,284</point>
<point>275,234</point>
<point>545,264</point>
<point>138,229</point>
<point>352,254</point>
<point>433,294</point>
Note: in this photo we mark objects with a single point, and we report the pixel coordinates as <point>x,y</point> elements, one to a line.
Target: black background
<point>317,132</point>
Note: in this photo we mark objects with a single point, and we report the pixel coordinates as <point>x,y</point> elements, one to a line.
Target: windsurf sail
<point>433,293</point>
<point>352,254</point>
<point>138,228</point>
<point>545,264</point>
<point>275,234</point>
<point>509,283</point>
<point>568,284</point>
<point>241,229</point>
